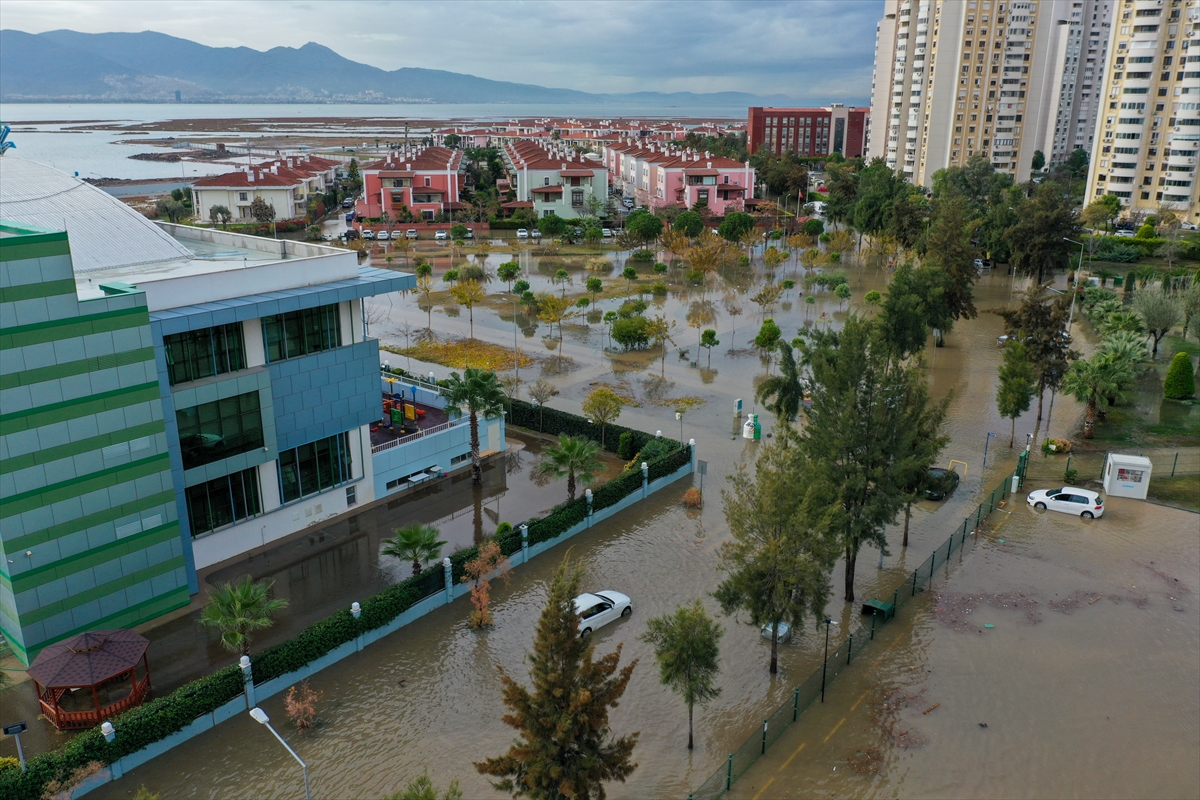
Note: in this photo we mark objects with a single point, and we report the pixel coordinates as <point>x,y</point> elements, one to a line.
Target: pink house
<point>423,181</point>
<point>658,176</point>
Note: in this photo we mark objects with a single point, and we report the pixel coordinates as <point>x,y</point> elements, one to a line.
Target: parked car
<point>1068,500</point>
<point>470,233</point>
<point>348,203</point>
<point>1189,226</point>
<point>627,202</point>
<point>606,233</point>
<point>535,233</point>
<point>597,609</point>
<point>411,233</point>
<point>522,233</point>
<point>440,236</point>
<point>383,235</point>
<point>1124,234</point>
<point>368,233</point>
<point>939,483</point>
<point>350,234</point>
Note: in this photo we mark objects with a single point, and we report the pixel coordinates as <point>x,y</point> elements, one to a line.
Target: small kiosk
<point>1126,476</point>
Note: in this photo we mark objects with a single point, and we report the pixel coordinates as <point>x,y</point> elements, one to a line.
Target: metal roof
<point>103,231</point>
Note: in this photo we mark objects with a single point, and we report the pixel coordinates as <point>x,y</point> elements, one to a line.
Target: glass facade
<point>223,501</point>
<point>314,467</point>
<point>216,430</point>
<point>298,333</point>
<point>204,353</point>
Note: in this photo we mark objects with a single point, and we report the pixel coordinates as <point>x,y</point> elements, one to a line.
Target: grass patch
<point>462,353</point>
<point>1182,491</point>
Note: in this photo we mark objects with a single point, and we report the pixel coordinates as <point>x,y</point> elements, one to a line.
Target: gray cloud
<point>813,50</point>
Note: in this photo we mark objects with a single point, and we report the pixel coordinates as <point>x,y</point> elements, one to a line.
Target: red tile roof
<point>241,180</point>
<point>547,190</point>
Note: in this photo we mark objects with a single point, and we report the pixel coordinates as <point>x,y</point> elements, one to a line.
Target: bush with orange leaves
<point>692,498</point>
<point>489,562</point>
<point>300,703</point>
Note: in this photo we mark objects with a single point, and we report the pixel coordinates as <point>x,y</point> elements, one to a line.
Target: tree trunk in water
<point>851,558</point>
<point>907,517</point>
<point>690,737</point>
<point>1089,420</point>
<point>416,567</point>
<point>570,486</point>
<point>476,467</point>
<point>1041,394</point>
<point>774,648</point>
<point>1012,435</point>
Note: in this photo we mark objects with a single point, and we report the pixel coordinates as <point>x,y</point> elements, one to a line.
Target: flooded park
<point>1089,658</point>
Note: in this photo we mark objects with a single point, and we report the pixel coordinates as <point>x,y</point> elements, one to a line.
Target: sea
<point>50,132</point>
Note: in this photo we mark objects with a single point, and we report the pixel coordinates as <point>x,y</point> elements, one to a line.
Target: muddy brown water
<point>428,697</point>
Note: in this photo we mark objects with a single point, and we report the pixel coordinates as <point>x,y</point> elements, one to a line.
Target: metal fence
<point>844,654</point>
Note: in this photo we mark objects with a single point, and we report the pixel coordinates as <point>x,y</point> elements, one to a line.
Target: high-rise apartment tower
<point>1148,133</point>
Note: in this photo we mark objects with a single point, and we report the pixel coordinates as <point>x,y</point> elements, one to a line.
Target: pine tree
<point>565,748</point>
<point>1017,385</point>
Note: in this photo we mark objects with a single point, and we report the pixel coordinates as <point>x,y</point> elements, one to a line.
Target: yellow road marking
<point>793,755</point>
<point>832,732</point>
<point>765,787</point>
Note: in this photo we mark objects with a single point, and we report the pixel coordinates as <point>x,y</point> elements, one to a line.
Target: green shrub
<point>658,289</point>
<point>8,762</point>
<point>641,255</point>
<point>1145,232</point>
<point>655,448</point>
<point>503,528</point>
<point>1130,282</point>
<point>525,415</point>
<point>625,446</point>
<point>1120,253</point>
<point>1181,381</point>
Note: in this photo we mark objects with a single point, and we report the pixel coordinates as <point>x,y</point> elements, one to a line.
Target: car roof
<point>587,599</point>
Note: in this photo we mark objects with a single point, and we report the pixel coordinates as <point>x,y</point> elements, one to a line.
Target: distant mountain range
<point>67,66</point>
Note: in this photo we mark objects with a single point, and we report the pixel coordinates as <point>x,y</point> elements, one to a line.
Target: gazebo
<point>104,662</point>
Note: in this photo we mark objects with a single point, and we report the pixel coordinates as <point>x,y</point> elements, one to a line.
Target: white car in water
<point>597,609</point>
<point>1069,500</point>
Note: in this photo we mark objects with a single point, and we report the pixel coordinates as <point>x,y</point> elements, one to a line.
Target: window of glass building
<point>223,501</point>
<point>201,354</point>
<point>220,429</point>
<point>298,333</point>
<point>314,467</point>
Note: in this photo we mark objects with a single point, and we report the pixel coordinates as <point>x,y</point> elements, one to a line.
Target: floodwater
<point>428,697</point>
<point>1058,659</point>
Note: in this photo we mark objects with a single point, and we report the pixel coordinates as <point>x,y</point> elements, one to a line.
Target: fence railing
<point>843,655</point>
<point>412,437</point>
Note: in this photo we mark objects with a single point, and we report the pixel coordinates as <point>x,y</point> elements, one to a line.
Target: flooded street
<point>428,696</point>
<point>1072,674</point>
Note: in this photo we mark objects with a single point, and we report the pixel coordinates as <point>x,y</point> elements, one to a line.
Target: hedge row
<point>161,717</point>
<point>555,422</point>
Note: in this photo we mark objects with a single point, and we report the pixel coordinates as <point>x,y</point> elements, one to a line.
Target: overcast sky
<point>819,50</point>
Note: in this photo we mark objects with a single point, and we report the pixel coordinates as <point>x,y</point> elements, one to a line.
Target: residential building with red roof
<point>659,175</point>
<point>421,181</point>
<point>554,179</point>
<point>285,183</point>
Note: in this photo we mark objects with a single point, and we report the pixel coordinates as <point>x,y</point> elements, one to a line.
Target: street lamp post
<point>516,352</point>
<point>679,416</point>
<point>986,442</point>
<point>261,716</point>
<point>823,662</point>
<point>1078,275</point>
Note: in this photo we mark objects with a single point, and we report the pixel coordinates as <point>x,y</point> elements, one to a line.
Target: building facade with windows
<point>555,179</point>
<point>959,78</point>
<point>173,398</point>
<point>1080,57</point>
<point>1148,132</point>
<point>657,176</point>
<point>412,183</point>
<point>286,183</point>
<point>808,132</point>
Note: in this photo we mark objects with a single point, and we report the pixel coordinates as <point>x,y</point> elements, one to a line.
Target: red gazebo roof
<point>88,659</point>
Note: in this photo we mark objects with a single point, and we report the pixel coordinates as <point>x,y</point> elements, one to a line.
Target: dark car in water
<point>939,483</point>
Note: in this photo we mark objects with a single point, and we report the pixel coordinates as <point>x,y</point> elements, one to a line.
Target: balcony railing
<point>445,426</point>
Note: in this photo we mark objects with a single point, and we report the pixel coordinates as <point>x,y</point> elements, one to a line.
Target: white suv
<point>522,233</point>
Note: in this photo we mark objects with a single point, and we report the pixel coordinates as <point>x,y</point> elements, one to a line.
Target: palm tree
<point>477,392</point>
<point>1089,380</point>
<point>417,542</point>
<point>787,388</point>
<point>236,609</point>
<point>573,457</point>
<point>1127,348</point>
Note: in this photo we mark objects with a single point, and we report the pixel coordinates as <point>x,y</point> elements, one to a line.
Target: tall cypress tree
<point>565,748</point>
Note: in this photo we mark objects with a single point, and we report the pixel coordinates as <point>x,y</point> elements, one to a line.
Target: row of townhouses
<point>286,183</point>
<point>414,182</point>
<point>551,178</point>
<point>658,176</point>
<point>172,398</point>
